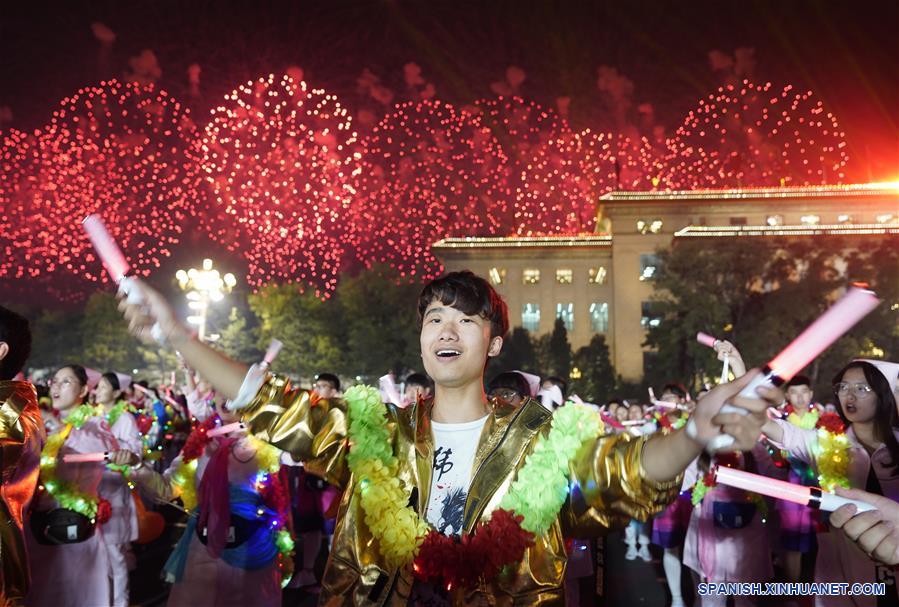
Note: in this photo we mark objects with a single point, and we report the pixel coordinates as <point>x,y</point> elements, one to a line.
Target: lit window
<point>530,317</point>
<point>844,218</point>
<point>738,221</point>
<point>810,220</point>
<point>650,315</point>
<point>565,311</point>
<point>775,220</point>
<point>564,276</point>
<point>497,275</point>
<point>649,264</point>
<point>599,317</point>
<point>530,276</point>
<point>886,218</point>
<point>597,276</point>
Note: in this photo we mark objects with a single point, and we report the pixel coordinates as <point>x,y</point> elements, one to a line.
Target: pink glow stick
<point>389,392</point>
<point>830,326</point>
<point>221,430</point>
<point>812,497</point>
<point>273,348</point>
<point>706,339</point>
<point>633,422</point>
<point>109,252</point>
<point>77,458</point>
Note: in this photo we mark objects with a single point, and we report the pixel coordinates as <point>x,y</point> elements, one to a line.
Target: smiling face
<point>635,413</point>
<point>858,401</point>
<point>106,394</point>
<point>455,346</point>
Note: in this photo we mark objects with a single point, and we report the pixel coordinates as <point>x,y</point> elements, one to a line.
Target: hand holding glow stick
<point>664,404</point>
<point>115,263</point>
<point>706,339</point>
<point>226,429</point>
<point>813,497</point>
<point>830,326</point>
<point>81,458</point>
<point>273,348</point>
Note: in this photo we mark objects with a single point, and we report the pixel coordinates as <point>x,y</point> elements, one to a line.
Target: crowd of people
<point>436,489</point>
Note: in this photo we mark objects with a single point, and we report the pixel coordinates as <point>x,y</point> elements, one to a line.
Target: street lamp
<point>203,287</point>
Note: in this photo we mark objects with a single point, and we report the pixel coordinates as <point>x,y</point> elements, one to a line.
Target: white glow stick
<point>78,458</point>
<point>226,429</point>
<point>115,263</point>
<point>273,348</point>
<point>633,422</point>
<point>813,497</point>
<point>830,326</point>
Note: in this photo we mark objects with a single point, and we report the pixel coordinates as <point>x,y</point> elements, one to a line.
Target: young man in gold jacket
<point>21,440</point>
<point>458,452</point>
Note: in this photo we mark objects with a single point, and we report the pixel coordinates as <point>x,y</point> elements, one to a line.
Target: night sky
<point>846,52</point>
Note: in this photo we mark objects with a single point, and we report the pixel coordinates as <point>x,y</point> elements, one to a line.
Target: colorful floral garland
<point>530,506</point>
<point>268,460</point>
<point>67,494</point>
<point>832,453</point>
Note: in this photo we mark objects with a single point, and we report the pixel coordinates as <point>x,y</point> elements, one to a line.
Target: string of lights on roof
<point>523,242</point>
<point>787,230</point>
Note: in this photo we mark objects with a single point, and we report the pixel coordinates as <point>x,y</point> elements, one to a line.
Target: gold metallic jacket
<point>21,440</point>
<point>610,487</point>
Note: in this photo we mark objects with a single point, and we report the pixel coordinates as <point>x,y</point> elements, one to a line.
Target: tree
<point>240,337</point>
<point>107,345</point>
<point>381,324</point>
<point>56,339</point>
<point>517,353</point>
<point>558,351</point>
<point>597,382</point>
<point>760,294</point>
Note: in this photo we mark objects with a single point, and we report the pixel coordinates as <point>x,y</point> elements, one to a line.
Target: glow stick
<point>227,428</point>
<point>725,369</point>
<point>663,404</point>
<point>633,422</point>
<point>389,392</point>
<point>114,261</point>
<point>706,339</point>
<point>830,326</point>
<point>78,458</point>
<point>273,348</point>
<point>813,497</point>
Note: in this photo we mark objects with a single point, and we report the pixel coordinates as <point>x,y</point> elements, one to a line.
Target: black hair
<point>798,380</point>
<point>510,380</point>
<point>113,380</point>
<point>471,295</point>
<point>419,379</point>
<point>885,416</point>
<point>79,372</point>
<point>677,389</point>
<point>330,378</point>
<point>558,381</point>
<point>615,401</point>
<point>16,333</point>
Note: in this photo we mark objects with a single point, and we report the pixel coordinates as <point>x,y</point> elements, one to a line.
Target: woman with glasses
<point>66,548</point>
<point>866,404</point>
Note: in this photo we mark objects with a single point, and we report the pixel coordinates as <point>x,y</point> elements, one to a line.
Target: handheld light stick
<point>273,348</point>
<point>389,392</point>
<point>632,422</point>
<point>78,458</point>
<point>813,497</point>
<point>707,340</point>
<point>152,394</point>
<point>115,263</point>
<point>661,404</point>
<point>226,429</point>
<point>830,326</point>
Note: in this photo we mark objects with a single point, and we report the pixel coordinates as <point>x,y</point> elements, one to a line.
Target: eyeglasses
<point>505,395</point>
<point>858,390</point>
<point>62,384</point>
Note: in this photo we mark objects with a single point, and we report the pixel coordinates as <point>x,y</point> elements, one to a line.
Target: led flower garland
<point>832,453</point>
<point>530,506</point>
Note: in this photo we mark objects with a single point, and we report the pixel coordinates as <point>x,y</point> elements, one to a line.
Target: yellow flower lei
<point>832,458</point>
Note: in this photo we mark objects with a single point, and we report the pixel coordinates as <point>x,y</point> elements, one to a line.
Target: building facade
<point>602,283</point>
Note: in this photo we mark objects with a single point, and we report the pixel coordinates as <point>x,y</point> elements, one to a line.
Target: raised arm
<point>223,373</point>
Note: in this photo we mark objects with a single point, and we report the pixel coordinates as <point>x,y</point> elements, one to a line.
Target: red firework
<point>279,159</point>
<point>23,250</point>
<point>751,135</point>
<point>115,149</point>
<point>429,172</point>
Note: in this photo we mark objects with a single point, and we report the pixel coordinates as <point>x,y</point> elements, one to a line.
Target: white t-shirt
<point>454,450</point>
